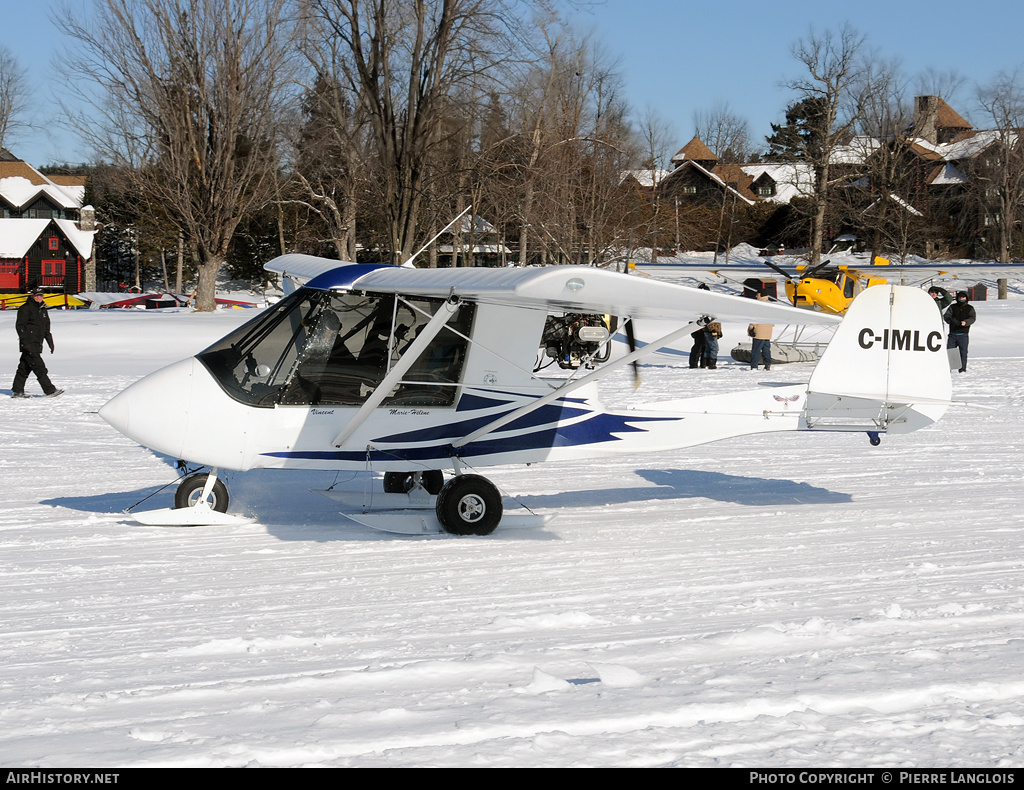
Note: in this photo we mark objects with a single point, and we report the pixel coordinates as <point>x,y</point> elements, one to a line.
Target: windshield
<point>326,348</point>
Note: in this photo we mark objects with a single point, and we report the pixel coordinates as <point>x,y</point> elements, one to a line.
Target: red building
<point>42,241</point>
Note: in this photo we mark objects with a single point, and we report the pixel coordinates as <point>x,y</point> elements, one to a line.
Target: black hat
<point>961,295</point>
<point>37,291</point>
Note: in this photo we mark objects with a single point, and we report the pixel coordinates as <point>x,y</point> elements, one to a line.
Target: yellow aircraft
<point>827,288</point>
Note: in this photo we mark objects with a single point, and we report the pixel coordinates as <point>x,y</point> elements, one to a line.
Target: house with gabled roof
<point>700,176</point>
<point>46,235</point>
<point>941,171</point>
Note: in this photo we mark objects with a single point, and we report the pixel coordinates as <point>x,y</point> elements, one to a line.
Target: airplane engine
<point>576,339</point>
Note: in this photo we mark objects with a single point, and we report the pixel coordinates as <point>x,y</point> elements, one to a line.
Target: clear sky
<point>675,56</point>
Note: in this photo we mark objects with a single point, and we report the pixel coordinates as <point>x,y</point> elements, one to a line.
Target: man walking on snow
<point>33,326</point>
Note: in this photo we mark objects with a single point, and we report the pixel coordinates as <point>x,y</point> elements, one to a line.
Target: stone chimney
<point>926,118</point>
<point>87,218</point>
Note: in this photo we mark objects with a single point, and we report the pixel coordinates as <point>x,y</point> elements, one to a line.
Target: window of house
<point>689,189</point>
<point>765,190</point>
<point>54,243</point>
<point>53,268</point>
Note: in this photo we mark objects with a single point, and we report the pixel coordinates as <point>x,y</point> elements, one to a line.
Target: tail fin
<point>886,369</point>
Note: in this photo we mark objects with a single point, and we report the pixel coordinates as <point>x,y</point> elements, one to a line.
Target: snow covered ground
<point>786,600</point>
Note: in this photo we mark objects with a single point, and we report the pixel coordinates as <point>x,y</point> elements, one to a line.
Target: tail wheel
<point>469,505</point>
<point>191,489</point>
<point>402,482</point>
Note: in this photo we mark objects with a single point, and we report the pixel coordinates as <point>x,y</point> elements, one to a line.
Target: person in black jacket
<point>960,316</point>
<point>33,325</point>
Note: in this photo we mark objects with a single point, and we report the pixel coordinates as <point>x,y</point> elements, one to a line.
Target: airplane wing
<point>915,271</point>
<point>552,288</point>
<point>300,269</point>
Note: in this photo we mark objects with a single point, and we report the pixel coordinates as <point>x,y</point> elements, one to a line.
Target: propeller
<point>795,277</point>
<point>631,340</point>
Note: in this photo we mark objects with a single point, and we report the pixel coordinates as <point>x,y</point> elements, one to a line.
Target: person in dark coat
<point>712,334</point>
<point>697,352</point>
<point>33,326</point>
<point>941,297</point>
<point>960,316</point>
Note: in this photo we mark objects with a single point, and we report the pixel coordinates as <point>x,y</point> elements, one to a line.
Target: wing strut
<point>606,368</point>
<point>428,333</point>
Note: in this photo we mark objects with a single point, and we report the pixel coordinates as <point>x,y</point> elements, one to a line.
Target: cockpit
<point>331,348</point>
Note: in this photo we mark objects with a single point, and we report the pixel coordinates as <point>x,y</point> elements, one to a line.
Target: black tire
<point>397,482</point>
<point>469,505</point>
<point>401,482</point>
<point>191,488</point>
<point>433,481</point>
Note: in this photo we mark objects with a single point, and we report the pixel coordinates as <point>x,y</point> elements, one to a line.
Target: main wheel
<point>469,505</point>
<point>191,489</point>
<point>402,482</point>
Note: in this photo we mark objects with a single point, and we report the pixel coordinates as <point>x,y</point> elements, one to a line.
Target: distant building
<point>46,235</point>
<point>941,174</point>
<point>699,176</point>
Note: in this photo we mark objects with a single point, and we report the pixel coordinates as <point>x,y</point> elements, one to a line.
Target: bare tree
<point>832,71</point>
<point>656,134</point>
<point>946,83</point>
<point>187,94</point>
<point>577,207</point>
<point>14,97</point>
<point>1001,174</point>
<point>888,203</point>
<point>403,59</point>
<point>724,132</point>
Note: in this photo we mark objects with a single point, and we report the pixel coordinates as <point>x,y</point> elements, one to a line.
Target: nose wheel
<point>202,487</point>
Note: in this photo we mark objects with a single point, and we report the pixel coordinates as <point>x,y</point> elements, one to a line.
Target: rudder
<point>886,368</point>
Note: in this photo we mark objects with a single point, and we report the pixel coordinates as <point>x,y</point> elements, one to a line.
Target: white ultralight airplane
<point>412,372</point>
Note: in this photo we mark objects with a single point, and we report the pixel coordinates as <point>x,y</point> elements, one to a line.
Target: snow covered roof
<point>18,235</point>
<point>73,185</point>
<point>967,147</point>
<point>479,225</point>
<point>947,174</point>
<point>492,249</point>
<point>855,152</point>
<point>20,184</point>
<point>645,178</point>
<point>899,202</point>
<point>20,191</point>
<point>792,180</point>
<point>81,240</point>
